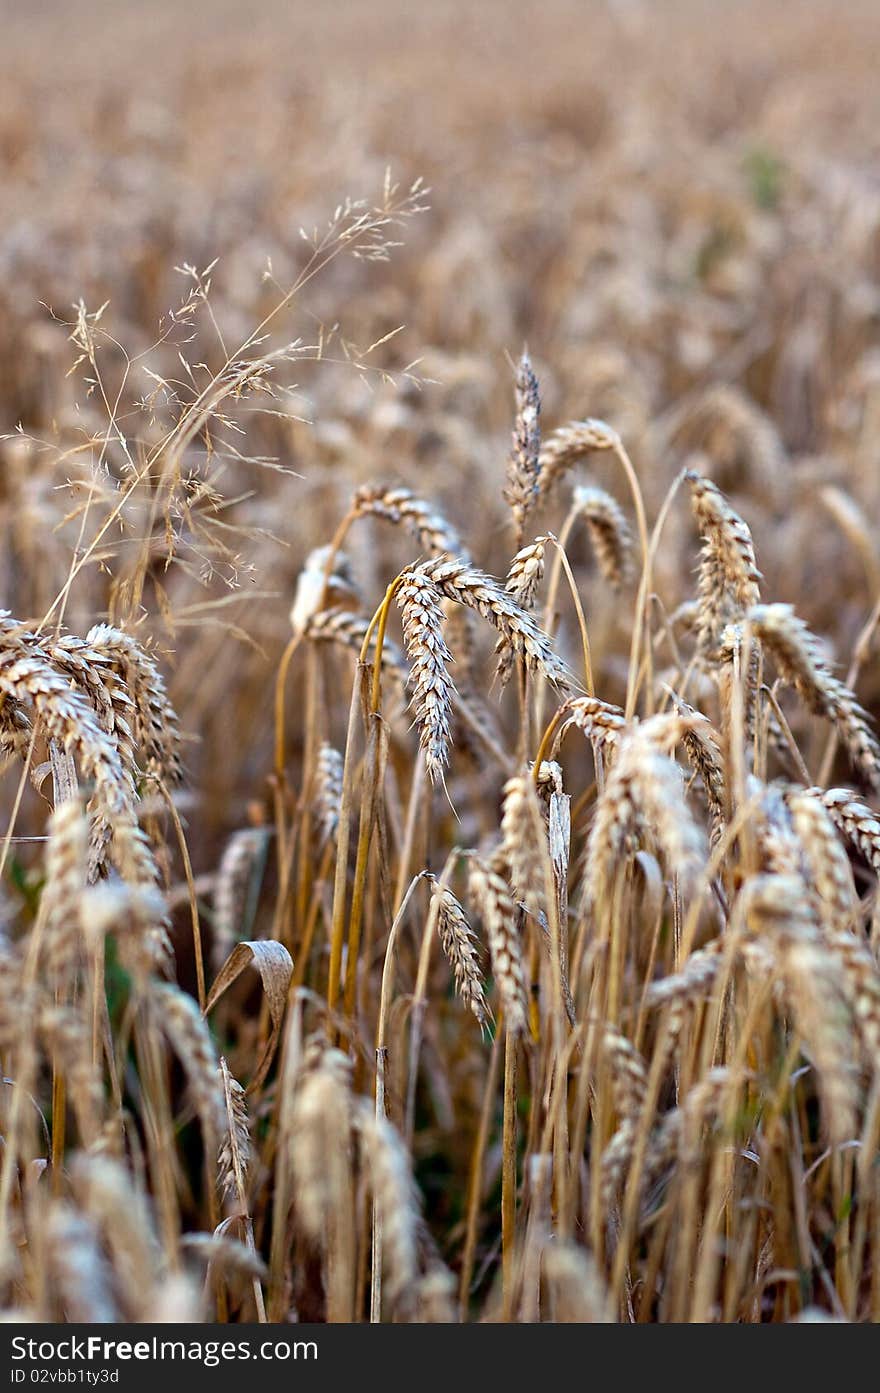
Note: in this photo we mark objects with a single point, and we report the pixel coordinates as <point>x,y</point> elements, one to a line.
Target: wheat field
<point>440,580</point>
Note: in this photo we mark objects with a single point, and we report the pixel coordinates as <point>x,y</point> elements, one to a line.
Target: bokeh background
<point>677,206</point>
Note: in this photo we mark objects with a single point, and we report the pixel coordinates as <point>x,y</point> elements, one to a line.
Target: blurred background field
<point>658,198</point>
<point>676,206</point>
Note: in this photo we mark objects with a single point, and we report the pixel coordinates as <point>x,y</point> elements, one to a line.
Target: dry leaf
<point>275,966</point>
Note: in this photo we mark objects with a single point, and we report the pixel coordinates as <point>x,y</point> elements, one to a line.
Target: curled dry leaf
<point>275,966</point>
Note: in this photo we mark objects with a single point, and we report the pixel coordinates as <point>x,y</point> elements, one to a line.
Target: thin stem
<point>337,931</point>
<point>193,902</point>
<point>582,623</point>
<point>508,1171</point>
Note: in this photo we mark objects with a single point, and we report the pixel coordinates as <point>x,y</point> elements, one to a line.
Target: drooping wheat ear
<point>692,983</point>
<point>348,630</point>
<point>92,671</point>
<point>491,897</point>
<point>28,679</point>
<point>576,1290</point>
<point>817,991</point>
<point>79,1277</point>
<point>459,945</point>
<point>827,864</point>
<point>178,1017</point>
<point>609,532</point>
<point>629,1077</point>
<point>155,720</point>
<point>316,591</point>
<point>432,531</point>
<point>800,660</point>
<point>240,866</point>
<point>729,577</point>
<point>798,654</point>
<point>329,768</point>
<point>778,907</point>
<point>432,687</point>
<point>602,723</point>
<point>458,580</point>
<point>858,823</point>
<point>525,575</point>
<point>397,1202</point>
<point>320,1142</point>
<point>520,491</point>
<point>15,729</point>
<point>119,1210</point>
<point>644,793</point>
<point>703,750</point>
<point>226,1255</point>
<point>234,1156</point>
<point>61,900</point>
<point>524,839</point>
<point>732,429</point>
<point>567,445</point>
